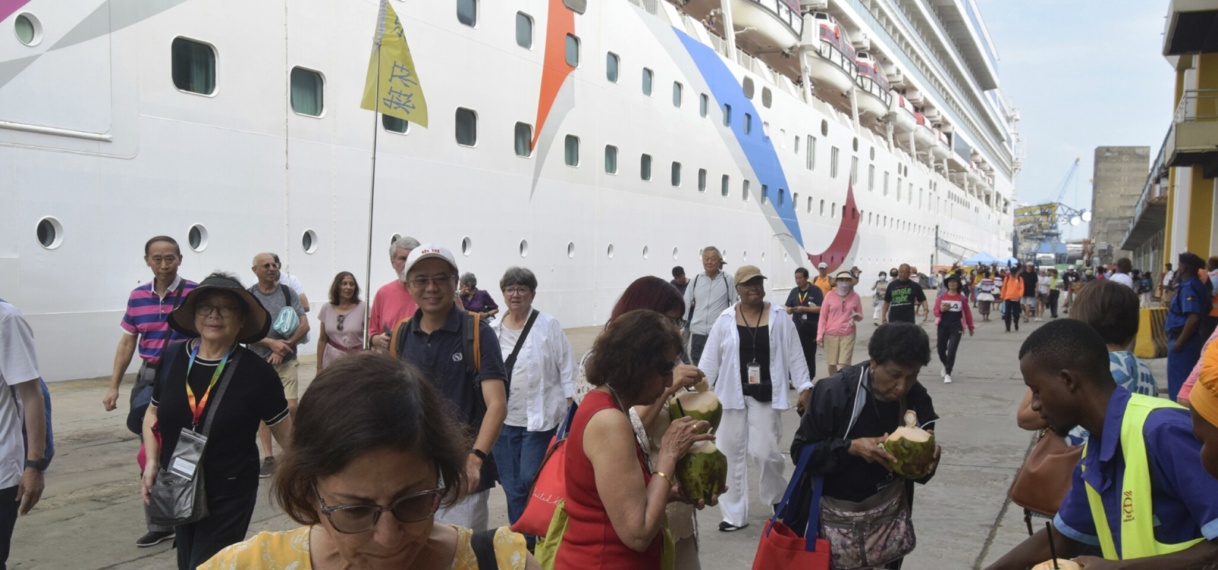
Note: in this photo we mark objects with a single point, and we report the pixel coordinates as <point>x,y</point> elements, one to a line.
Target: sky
<point>1083,74</point>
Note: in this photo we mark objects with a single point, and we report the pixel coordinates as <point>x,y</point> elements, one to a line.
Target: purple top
<point>480,302</point>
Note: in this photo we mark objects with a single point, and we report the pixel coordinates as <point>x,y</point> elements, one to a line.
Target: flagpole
<point>371,203</point>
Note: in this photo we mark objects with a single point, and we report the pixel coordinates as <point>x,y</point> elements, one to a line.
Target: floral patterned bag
<point>870,533</point>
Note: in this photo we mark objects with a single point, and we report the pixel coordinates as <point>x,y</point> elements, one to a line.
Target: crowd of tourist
<point>457,394</point>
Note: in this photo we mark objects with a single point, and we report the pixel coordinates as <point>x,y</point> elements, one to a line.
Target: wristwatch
<point>478,453</point>
<point>40,465</point>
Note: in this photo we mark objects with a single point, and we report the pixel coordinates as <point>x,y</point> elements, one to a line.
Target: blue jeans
<point>519,453</point>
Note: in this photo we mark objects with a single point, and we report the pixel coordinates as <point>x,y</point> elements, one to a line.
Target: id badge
<point>187,453</point>
<point>754,373</point>
<point>804,316</point>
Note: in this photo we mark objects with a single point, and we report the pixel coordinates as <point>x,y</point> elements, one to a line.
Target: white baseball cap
<point>429,251</point>
<point>822,265</point>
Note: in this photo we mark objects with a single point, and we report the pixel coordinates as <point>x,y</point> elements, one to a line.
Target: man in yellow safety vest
<point>1140,447</point>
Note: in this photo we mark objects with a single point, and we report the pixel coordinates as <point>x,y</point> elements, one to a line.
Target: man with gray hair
<point>393,301</point>
<point>709,293</point>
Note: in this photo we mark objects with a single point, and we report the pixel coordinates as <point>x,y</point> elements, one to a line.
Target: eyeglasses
<point>678,322</point>
<point>341,318</point>
<point>516,290</point>
<point>439,280</point>
<point>225,311</point>
<point>354,519</point>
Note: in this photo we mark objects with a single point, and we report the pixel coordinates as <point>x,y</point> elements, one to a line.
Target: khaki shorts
<point>839,350</point>
<point>287,376</point>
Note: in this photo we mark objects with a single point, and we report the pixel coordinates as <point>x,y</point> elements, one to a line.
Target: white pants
<point>470,512</point>
<point>750,433</point>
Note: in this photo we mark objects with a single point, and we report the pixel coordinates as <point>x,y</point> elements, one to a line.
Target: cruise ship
<point>592,141</point>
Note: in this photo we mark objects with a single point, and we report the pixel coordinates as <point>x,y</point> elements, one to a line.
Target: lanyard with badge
<point>803,297</point>
<point>754,369</point>
<point>189,451</point>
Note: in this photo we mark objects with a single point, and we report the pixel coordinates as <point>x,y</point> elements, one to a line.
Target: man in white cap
<point>822,281</point>
<point>707,295</point>
<point>469,373</point>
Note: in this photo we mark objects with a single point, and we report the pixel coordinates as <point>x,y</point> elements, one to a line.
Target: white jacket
<point>544,372</point>
<point>721,359</point>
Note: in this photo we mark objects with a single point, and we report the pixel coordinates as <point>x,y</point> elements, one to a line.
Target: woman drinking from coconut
<point>853,413</point>
<point>616,496</point>
<point>751,355</point>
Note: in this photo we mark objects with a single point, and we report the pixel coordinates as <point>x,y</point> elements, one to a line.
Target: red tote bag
<point>549,486</point>
<point>780,546</point>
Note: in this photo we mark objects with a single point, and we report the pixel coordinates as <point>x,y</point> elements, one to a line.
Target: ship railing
<point>869,85</point>
<point>786,11</point>
<point>830,53</point>
<point>1197,105</point>
<point>1156,181</point>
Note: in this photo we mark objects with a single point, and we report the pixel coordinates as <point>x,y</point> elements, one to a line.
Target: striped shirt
<point>148,313</point>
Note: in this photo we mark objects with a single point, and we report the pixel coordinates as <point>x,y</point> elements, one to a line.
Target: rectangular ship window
<point>524,139</point>
<point>308,92</point>
<point>193,66</point>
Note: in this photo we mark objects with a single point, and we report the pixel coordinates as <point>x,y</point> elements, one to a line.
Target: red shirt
<point>590,541</point>
<point>392,304</point>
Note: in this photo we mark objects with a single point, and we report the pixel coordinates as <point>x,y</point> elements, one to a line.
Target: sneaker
<point>267,469</point>
<point>942,372</point>
<point>729,527</point>
<point>1038,319</point>
<point>947,378</point>
<point>154,538</point>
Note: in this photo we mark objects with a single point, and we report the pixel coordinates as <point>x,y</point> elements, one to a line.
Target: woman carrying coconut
<point>752,353</point>
<point>855,411</point>
<point>952,315</point>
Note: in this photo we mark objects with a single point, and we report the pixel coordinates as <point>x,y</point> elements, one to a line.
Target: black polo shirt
<point>441,356</point>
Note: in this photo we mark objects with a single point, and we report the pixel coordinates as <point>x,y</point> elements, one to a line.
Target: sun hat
<point>746,273</point>
<point>844,275</point>
<point>429,251</point>
<point>257,320</point>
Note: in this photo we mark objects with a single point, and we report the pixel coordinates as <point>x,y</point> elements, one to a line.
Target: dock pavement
<point>91,513</point>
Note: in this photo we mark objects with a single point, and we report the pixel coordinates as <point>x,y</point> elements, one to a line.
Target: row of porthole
<point>50,234</point>
<point>467,249</point>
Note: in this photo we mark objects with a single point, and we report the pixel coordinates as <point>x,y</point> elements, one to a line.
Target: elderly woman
<point>753,352</point>
<point>616,496</point>
<point>342,321</point>
<point>476,300</point>
<point>213,370</point>
<point>366,486</point>
<point>541,372</point>
<point>853,412</point>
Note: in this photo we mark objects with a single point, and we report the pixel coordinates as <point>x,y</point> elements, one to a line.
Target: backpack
<point>472,346</point>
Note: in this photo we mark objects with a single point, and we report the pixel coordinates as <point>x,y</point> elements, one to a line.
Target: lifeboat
<point>874,93</point>
<point>924,134</point>
<point>776,20</point>
<point>941,148</point>
<point>903,117</point>
<point>828,54</point>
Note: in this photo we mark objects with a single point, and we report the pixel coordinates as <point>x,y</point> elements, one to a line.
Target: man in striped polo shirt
<point>145,325</point>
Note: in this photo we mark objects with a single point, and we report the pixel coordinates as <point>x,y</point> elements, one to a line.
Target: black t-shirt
<point>254,394</point>
<point>813,297</point>
<point>855,479</point>
<point>755,347</point>
<point>680,286</point>
<point>902,298</point>
<point>1029,283</point>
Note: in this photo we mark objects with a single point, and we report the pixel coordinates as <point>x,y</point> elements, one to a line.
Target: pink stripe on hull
<point>8,7</point>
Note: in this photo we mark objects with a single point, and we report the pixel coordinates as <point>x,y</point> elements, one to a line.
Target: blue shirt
<point>1192,298</point>
<point>1184,496</point>
<point>1129,373</point>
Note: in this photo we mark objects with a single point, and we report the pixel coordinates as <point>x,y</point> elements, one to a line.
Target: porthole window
<point>674,254</point>
<point>395,125</point>
<point>702,180</point>
<point>872,153</point>
<point>609,251</point>
<point>610,159</point>
<point>646,252</point>
<point>676,174</point>
<point>765,194</point>
<point>50,232</point>
<point>193,65</point>
<point>570,249</point>
<point>571,150</point>
<point>524,30</point>
<point>744,256</point>
<point>748,123</point>
<point>824,128</point>
<point>524,248</point>
<point>645,167</point>
<point>676,94</point>
<point>744,191</point>
<point>748,87</point>
<point>703,103</point>
<point>648,76</point>
<point>197,237</point>
<point>29,29</point>
<point>767,98</point>
<point>308,241</point>
<point>308,92</point>
<point>856,144</point>
<point>467,127</point>
<point>782,197</point>
<point>394,238</point>
<point>723,187</point>
<point>727,115</point>
<point>572,51</point>
<point>467,12</point>
<point>577,6</point>
<point>524,139</point>
<point>611,64</point>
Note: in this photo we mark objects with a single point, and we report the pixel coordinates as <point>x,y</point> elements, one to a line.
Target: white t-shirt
<point>1123,279</point>
<point>1167,278</point>
<point>517,412</point>
<point>18,364</point>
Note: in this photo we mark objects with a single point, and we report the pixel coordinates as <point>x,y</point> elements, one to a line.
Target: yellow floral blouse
<point>289,550</point>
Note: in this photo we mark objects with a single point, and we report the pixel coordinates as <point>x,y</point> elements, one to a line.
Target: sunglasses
<point>341,318</point>
<point>354,519</point>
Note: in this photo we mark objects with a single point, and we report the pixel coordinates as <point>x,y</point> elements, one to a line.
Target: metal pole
<point>729,28</point>
<point>371,203</point>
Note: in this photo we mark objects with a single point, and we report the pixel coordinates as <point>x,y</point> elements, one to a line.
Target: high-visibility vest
<point>1137,518</point>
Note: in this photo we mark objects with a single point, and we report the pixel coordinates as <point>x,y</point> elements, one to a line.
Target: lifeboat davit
<point>874,93</point>
<point>828,54</point>
<point>776,20</point>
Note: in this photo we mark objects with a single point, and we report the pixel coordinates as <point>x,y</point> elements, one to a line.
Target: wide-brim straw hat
<point>257,319</point>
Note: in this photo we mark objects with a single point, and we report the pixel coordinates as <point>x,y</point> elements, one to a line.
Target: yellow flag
<point>393,87</point>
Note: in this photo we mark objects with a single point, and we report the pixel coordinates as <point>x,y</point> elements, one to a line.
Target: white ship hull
<point>94,135</point>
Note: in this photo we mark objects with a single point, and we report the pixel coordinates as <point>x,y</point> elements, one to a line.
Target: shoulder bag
<point>178,495</point>
<point>783,547</point>
<point>550,485</point>
<point>1042,482</point>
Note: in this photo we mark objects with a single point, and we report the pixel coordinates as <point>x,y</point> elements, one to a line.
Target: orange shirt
<point>1012,288</point>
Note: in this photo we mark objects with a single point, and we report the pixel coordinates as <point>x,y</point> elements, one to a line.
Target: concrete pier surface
<point>91,513</point>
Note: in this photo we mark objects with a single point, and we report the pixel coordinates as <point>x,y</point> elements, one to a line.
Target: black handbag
<point>179,496</point>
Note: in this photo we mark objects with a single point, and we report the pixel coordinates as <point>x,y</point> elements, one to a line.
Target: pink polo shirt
<point>837,314</point>
<point>392,304</point>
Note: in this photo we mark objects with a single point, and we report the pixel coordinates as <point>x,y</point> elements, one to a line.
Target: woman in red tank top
<point>615,512</point>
